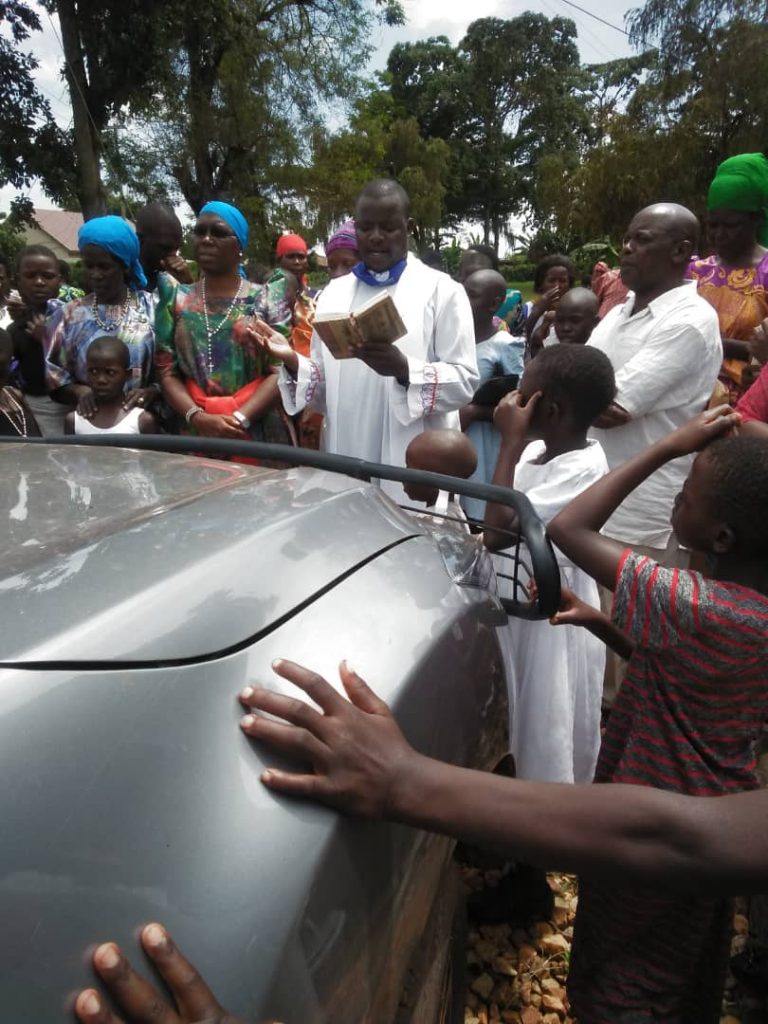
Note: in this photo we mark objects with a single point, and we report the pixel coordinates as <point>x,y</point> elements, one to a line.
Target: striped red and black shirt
<point>692,703</point>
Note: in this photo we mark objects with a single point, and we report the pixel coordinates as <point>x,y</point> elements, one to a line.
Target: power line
<point>597,17</point>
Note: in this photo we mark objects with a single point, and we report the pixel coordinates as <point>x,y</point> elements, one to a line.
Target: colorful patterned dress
<point>72,328</point>
<point>740,297</point>
<point>693,701</point>
<point>182,345</point>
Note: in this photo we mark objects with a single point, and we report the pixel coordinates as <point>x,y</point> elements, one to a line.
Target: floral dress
<point>232,361</point>
<point>740,297</point>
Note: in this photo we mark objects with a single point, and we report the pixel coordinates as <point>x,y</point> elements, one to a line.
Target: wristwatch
<point>241,419</point>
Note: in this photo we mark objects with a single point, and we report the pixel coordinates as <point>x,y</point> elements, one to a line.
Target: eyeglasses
<point>211,231</point>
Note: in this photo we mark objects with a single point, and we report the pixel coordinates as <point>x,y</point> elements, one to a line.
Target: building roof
<point>61,225</point>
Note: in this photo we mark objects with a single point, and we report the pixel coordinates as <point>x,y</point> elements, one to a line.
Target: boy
<point>498,354</point>
<point>38,279</point>
<point>440,451</point>
<point>108,368</point>
<point>692,704</point>
<point>545,453</point>
<point>576,316</point>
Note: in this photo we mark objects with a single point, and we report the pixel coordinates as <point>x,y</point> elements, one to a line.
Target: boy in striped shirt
<point>694,699</point>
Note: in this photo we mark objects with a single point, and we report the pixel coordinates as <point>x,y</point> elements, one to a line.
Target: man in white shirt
<point>664,344</point>
<point>376,403</point>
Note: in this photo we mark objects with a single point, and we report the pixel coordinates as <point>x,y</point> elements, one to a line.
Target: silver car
<point>139,592</point>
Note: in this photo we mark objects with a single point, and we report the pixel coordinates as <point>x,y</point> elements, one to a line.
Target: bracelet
<point>192,412</point>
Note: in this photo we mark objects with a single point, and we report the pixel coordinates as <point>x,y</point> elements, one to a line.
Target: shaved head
<point>156,213</point>
<point>439,451</point>
<point>656,250</point>
<point>581,300</point>
<point>676,220</point>
<point>486,290</point>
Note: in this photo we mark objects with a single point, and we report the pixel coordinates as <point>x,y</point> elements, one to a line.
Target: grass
<point>526,287</point>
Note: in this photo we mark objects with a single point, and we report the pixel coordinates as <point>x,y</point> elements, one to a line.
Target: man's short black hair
<point>740,488</point>
<point>111,347</point>
<point>380,188</point>
<point>557,259</point>
<point>487,251</point>
<point>579,378</point>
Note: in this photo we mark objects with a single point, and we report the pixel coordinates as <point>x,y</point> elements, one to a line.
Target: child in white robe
<point>556,674</point>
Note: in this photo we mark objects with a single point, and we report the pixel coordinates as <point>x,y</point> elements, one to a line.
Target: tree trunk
<point>90,190</point>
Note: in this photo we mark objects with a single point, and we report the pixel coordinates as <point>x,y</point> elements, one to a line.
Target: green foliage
<point>12,227</point>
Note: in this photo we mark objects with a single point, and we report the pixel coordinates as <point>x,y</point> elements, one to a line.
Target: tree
<point>28,134</point>
<point>377,143</point>
<point>215,97</point>
<point>705,90</point>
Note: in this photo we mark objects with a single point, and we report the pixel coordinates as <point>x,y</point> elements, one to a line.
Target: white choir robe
<point>555,673</point>
<point>371,417</point>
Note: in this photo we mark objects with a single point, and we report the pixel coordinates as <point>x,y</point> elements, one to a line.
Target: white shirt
<point>666,359</point>
<point>373,417</point>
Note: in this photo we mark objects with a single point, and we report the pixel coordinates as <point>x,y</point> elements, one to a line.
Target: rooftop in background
<point>57,229</point>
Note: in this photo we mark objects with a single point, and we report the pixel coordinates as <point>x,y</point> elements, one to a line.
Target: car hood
<point>116,556</point>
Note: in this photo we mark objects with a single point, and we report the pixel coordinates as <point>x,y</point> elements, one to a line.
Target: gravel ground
<point>517,976</point>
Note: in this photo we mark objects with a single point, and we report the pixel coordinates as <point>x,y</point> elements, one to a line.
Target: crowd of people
<point>633,413</point>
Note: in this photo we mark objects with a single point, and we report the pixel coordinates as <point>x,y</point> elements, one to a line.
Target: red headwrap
<point>290,243</point>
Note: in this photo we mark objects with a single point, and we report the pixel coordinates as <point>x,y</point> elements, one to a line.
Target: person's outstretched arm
<point>364,766</point>
<point>576,530</point>
<point>575,612</point>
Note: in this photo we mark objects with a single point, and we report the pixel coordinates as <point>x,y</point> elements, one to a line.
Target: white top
<point>556,672</point>
<point>372,417</point>
<point>129,424</point>
<point>666,359</point>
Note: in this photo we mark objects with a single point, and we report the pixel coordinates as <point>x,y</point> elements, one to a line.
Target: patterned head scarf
<point>118,238</point>
<point>344,238</point>
<point>232,216</point>
<point>741,183</point>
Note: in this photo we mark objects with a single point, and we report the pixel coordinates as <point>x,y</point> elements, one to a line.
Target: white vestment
<point>556,677</point>
<point>372,417</point>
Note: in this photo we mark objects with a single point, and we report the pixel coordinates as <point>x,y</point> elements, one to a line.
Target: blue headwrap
<point>232,216</point>
<point>118,238</point>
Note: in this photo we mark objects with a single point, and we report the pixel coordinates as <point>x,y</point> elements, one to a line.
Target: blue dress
<point>498,355</point>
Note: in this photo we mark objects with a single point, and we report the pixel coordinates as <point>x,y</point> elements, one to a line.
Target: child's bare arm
<point>69,423</point>
<point>575,612</point>
<point>148,423</point>
<point>362,765</point>
<point>576,530</point>
<point>512,419</point>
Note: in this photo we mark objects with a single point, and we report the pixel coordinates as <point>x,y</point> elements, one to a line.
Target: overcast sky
<point>597,43</point>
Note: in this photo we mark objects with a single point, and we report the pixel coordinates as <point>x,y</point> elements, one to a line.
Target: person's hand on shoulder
<point>192,1002</point>
<point>702,430</point>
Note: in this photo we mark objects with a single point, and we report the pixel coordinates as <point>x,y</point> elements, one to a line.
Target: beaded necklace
<point>211,331</point>
<point>111,325</point>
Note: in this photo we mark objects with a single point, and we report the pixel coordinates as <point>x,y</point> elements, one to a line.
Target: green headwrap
<point>741,183</point>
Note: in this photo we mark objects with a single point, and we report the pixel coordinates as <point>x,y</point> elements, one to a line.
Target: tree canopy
<point>264,103</point>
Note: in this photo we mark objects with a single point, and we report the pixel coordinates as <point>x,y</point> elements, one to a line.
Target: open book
<point>378,320</point>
